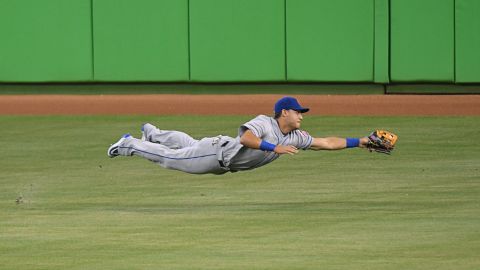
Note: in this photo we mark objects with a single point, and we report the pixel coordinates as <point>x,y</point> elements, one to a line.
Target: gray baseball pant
<point>175,150</point>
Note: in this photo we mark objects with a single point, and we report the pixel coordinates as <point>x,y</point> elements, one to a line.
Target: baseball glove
<point>382,141</point>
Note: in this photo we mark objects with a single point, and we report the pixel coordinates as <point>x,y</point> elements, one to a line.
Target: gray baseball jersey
<point>267,129</point>
<point>177,150</point>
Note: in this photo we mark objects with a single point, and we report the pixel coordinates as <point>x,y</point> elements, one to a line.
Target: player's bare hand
<point>285,149</point>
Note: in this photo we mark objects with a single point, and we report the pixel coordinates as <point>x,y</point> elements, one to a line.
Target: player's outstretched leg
<point>200,158</point>
<point>169,138</point>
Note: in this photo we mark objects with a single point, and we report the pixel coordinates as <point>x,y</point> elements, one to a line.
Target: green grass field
<point>65,205</point>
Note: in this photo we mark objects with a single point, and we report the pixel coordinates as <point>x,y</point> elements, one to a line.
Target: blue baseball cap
<point>289,103</point>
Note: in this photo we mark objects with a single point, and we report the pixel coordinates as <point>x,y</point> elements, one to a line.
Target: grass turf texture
<point>78,209</point>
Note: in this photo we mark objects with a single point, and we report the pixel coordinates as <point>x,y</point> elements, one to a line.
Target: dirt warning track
<point>166,104</point>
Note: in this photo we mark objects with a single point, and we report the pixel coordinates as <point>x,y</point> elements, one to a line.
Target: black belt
<point>221,161</point>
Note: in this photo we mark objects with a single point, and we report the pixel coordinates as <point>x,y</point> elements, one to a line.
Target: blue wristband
<point>353,142</point>
<point>266,146</point>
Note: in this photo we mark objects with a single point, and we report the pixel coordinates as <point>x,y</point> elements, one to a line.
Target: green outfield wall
<point>422,40</point>
<point>233,40</point>
<point>467,41</point>
<point>46,40</point>
<point>330,40</point>
<point>141,40</point>
<point>314,41</point>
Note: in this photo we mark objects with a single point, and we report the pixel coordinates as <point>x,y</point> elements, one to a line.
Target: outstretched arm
<point>249,140</point>
<point>335,143</point>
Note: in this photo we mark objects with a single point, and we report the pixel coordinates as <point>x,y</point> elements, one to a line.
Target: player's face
<point>294,119</point>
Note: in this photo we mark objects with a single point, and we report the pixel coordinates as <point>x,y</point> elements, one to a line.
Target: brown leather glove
<point>382,141</point>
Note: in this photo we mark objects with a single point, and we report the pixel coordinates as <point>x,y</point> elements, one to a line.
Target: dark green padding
<point>467,41</point>
<point>330,40</point>
<point>47,40</point>
<point>143,40</point>
<point>432,89</point>
<point>381,57</point>
<point>422,40</point>
<point>192,88</point>
<point>233,40</point>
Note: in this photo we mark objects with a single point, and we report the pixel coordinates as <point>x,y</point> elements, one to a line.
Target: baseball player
<point>259,142</point>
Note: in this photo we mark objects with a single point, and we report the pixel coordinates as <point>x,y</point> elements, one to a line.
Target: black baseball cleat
<point>113,149</point>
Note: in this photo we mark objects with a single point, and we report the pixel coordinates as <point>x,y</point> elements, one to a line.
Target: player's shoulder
<point>262,117</point>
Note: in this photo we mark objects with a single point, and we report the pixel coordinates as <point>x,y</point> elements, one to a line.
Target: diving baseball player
<point>259,142</point>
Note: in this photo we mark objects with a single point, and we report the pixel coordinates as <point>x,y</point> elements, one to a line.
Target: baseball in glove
<point>382,141</point>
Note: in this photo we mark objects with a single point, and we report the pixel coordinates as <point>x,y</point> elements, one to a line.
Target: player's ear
<point>284,112</point>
